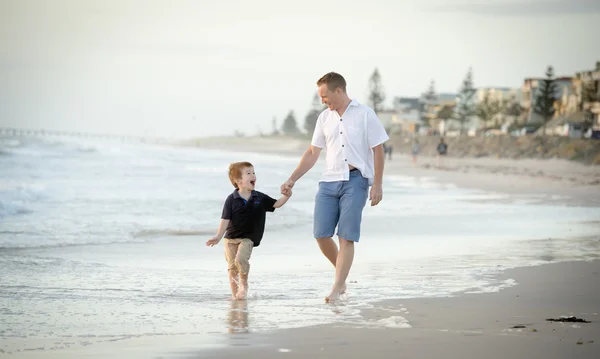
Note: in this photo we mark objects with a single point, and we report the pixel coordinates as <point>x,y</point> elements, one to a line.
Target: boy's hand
<point>211,242</point>
<point>286,187</point>
<point>288,193</point>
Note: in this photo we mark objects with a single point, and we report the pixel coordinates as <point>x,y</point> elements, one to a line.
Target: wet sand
<point>468,325</point>
<point>462,326</point>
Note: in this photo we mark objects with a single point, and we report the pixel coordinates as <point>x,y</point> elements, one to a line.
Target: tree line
<point>489,108</point>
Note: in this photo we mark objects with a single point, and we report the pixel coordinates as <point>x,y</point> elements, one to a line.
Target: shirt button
<point>345,160</point>
<point>342,145</point>
<point>340,132</point>
<point>340,119</point>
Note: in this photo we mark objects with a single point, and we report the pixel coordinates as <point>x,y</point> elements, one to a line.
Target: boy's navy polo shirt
<point>247,219</point>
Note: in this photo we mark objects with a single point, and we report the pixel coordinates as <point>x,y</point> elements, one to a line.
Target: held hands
<point>213,241</point>
<point>286,188</point>
<point>376,194</point>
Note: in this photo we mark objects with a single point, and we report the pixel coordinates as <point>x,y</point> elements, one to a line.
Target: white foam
<point>495,288</point>
<point>394,322</point>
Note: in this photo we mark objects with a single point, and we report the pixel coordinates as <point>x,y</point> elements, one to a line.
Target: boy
<point>243,224</point>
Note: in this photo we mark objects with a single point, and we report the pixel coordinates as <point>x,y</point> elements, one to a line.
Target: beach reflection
<point>237,320</point>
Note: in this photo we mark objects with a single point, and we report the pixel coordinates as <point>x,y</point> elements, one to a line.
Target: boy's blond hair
<point>235,171</point>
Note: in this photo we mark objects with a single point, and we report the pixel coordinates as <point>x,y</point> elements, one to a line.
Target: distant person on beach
<point>353,138</point>
<point>416,148</point>
<point>243,224</point>
<point>387,149</point>
<point>442,149</point>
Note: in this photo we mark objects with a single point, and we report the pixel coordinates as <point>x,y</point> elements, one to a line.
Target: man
<point>353,138</point>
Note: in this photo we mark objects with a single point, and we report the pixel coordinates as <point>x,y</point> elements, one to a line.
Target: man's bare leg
<point>342,268</point>
<point>233,282</point>
<point>330,250</point>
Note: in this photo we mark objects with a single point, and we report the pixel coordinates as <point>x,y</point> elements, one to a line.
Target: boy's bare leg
<point>342,268</point>
<point>233,282</point>
<point>242,262</point>
<point>243,288</point>
<point>330,250</point>
<point>231,250</point>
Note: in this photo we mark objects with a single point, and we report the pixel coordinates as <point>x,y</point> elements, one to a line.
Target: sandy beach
<point>509,324</point>
<point>552,180</point>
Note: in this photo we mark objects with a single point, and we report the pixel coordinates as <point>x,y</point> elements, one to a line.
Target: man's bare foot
<point>333,296</point>
<point>242,293</point>
<point>343,290</point>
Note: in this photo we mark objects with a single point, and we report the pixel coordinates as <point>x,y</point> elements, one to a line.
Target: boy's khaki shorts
<point>237,254</point>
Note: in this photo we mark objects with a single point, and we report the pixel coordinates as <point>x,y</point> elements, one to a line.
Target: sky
<point>185,68</point>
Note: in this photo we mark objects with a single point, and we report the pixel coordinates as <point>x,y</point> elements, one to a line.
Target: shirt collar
<point>236,194</point>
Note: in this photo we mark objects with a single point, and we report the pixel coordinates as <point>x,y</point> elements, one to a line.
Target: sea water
<point>103,241</point>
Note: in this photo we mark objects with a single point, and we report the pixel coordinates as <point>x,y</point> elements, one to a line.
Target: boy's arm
<point>281,201</point>
<point>220,233</point>
<point>222,228</point>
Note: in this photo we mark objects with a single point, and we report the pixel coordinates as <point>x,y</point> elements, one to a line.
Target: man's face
<point>330,98</point>
<point>248,180</point>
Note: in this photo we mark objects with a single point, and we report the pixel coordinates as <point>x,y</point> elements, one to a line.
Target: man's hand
<point>376,194</point>
<point>286,188</point>
<point>211,242</point>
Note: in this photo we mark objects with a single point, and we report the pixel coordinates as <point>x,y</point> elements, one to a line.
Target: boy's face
<point>248,180</point>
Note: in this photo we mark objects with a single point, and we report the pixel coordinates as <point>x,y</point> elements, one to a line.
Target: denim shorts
<point>340,204</point>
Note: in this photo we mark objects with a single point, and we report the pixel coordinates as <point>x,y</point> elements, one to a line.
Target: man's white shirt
<point>348,140</point>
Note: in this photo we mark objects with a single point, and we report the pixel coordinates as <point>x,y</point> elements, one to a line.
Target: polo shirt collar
<point>236,194</point>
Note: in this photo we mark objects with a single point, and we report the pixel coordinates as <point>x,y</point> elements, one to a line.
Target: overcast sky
<point>193,68</point>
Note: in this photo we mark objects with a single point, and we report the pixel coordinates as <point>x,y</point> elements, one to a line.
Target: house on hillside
<point>505,97</point>
<point>589,95</point>
<point>403,117</point>
<point>431,109</point>
<point>566,98</point>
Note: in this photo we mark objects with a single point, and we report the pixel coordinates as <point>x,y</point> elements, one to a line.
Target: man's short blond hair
<point>333,80</point>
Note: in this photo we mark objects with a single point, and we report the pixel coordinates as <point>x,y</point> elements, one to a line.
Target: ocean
<point>103,241</point>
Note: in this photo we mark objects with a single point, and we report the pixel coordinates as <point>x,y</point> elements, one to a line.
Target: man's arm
<point>379,159</point>
<point>376,193</point>
<point>308,160</point>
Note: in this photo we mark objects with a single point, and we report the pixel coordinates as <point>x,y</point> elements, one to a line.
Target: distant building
<point>430,109</point>
<point>565,94</point>
<point>505,96</point>
<point>590,80</point>
<point>403,117</point>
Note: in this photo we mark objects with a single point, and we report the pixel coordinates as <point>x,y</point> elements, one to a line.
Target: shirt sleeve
<point>227,208</point>
<point>268,203</point>
<point>376,134</point>
<point>318,138</point>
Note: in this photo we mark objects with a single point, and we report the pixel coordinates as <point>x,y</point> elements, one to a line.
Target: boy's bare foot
<point>242,293</point>
<point>233,283</point>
